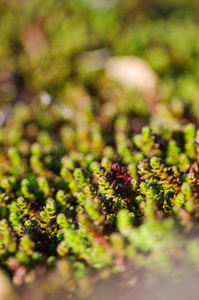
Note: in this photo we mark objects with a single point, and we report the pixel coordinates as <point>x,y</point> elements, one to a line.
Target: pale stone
<point>132,73</point>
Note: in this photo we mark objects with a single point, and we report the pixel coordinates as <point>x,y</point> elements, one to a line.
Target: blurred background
<point>59,53</point>
<point>48,46</point>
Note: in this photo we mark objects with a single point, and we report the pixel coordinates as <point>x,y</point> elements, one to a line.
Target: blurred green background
<point>42,42</point>
<point>48,56</point>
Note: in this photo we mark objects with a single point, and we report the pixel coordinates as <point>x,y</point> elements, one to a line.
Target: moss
<point>92,174</point>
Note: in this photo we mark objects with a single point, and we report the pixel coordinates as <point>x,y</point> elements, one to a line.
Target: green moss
<point>91,174</point>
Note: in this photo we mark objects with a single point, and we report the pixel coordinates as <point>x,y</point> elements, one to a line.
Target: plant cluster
<point>92,175</point>
<point>92,209</point>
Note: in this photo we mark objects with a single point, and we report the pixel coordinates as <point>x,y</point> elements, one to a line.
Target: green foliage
<point>90,173</point>
<point>89,214</point>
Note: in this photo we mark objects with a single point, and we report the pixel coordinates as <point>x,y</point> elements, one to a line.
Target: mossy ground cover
<point>92,175</point>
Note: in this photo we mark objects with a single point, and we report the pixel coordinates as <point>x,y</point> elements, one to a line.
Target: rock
<point>132,73</point>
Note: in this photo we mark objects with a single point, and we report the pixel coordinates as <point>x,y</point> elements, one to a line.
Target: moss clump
<point>92,174</point>
<point>94,208</point>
